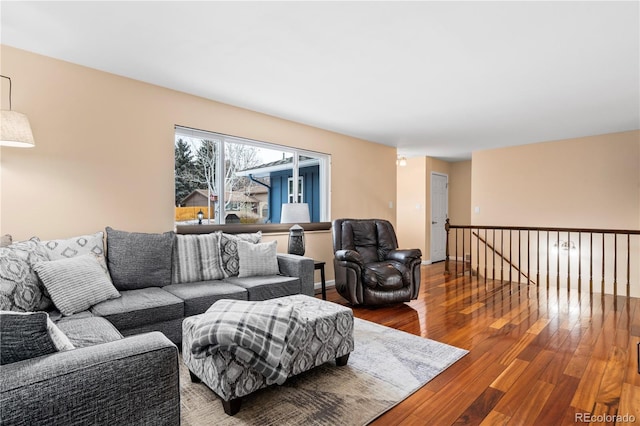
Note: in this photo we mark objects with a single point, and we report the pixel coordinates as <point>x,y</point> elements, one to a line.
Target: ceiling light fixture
<point>401,161</point>
<point>15,129</point>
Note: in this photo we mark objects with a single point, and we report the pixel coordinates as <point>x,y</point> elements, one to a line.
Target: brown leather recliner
<point>369,268</point>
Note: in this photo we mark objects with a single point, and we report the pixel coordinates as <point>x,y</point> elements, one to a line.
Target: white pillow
<point>257,259</point>
<point>76,284</point>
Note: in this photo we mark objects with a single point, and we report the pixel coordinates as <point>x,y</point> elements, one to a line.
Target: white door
<point>439,203</point>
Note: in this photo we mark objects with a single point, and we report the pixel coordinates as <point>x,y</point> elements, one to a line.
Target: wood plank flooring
<point>537,356</point>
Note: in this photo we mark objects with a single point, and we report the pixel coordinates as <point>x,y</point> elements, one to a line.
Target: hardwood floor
<point>536,357</point>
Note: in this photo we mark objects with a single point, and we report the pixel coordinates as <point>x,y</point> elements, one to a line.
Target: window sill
<point>266,228</point>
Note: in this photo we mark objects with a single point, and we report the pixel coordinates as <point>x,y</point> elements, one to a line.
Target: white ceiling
<point>432,78</point>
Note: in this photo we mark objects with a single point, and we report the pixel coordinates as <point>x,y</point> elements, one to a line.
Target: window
<point>236,180</point>
<point>291,192</point>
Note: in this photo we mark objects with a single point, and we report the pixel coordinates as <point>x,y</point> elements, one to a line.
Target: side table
<point>320,266</point>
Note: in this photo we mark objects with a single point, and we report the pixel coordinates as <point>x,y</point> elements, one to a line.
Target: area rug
<point>386,367</point>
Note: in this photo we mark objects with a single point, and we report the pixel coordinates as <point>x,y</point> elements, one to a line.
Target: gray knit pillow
<point>197,258</point>
<point>24,336</point>
<point>77,283</point>
<point>138,260</point>
<point>257,259</point>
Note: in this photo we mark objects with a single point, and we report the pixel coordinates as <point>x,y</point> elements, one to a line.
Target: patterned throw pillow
<point>229,250</point>
<point>5,240</point>
<point>257,259</point>
<point>77,283</point>
<point>197,258</point>
<point>20,289</point>
<point>75,246</point>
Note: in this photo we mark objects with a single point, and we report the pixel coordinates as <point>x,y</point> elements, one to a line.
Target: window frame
<point>324,167</point>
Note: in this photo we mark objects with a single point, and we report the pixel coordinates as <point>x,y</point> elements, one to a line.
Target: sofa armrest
<point>129,381</point>
<point>301,267</point>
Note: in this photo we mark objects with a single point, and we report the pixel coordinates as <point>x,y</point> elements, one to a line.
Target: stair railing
<point>609,256</point>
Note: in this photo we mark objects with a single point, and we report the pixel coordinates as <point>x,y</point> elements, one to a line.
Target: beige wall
<point>589,182</point>
<point>459,203</point>
<point>414,199</point>
<point>104,154</point>
<point>412,205</point>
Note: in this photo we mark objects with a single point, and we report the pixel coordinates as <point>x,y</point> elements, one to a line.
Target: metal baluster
<point>602,284</point>
<point>502,259</point>
<point>538,258</point>
<point>510,254</point>
<point>485,255</point>
<point>493,273</point>
<point>579,263</point>
<point>615,265</point>
<point>568,261</point>
<point>558,262</point>
<point>519,257</point>
<point>590,263</point>
<point>628,265</point>
<point>547,260</point>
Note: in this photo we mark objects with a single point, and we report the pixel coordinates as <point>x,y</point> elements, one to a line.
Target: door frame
<point>446,213</point>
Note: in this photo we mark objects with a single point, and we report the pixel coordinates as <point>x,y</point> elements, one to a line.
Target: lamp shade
<point>295,213</point>
<point>15,130</point>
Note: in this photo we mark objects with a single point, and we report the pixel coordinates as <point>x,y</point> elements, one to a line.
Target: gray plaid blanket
<point>265,335</point>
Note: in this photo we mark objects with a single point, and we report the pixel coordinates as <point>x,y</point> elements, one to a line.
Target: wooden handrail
<point>548,229</point>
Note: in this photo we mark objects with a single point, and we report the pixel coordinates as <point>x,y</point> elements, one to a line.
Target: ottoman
<point>327,335</point>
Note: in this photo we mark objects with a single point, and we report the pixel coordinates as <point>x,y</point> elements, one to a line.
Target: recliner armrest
<point>404,255</point>
<point>349,256</point>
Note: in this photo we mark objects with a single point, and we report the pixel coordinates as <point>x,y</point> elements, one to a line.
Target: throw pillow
<point>138,260</point>
<point>59,339</point>
<point>20,289</point>
<point>197,258</point>
<point>257,259</point>
<point>24,336</point>
<point>5,240</point>
<point>229,250</point>
<point>76,284</point>
<point>75,246</point>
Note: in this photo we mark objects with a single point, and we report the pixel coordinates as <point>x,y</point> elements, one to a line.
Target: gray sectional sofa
<point>124,368</point>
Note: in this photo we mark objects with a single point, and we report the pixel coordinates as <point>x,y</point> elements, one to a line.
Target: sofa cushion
<point>89,331</point>
<point>268,287</point>
<point>24,336</point>
<point>257,259</point>
<point>229,250</point>
<point>20,289</point>
<point>382,276</point>
<point>198,297</point>
<point>197,258</point>
<point>138,260</point>
<point>140,307</point>
<point>75,284</point>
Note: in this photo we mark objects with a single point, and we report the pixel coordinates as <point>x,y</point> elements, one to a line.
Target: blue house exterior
<point>279,183</point>
<point>279,193</point>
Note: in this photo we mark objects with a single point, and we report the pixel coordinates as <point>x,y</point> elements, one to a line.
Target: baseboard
<point>426,262</point>
<point>318,286</point>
